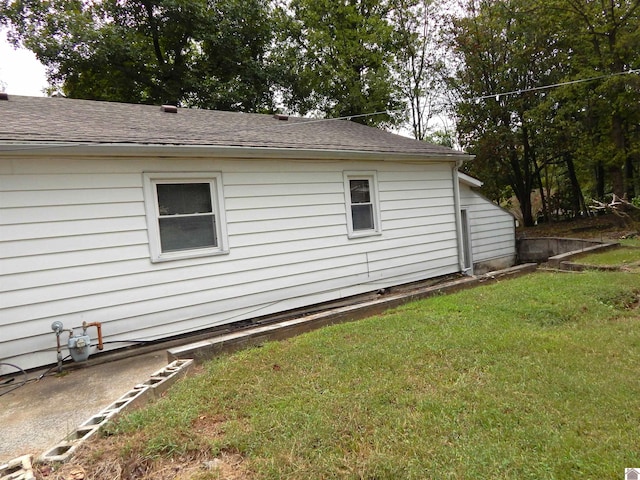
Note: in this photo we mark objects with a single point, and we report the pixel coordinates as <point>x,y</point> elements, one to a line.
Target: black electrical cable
<point>14,387</point>
<point>41,376</point>
<point>128,341</point>
<point>25,380</point>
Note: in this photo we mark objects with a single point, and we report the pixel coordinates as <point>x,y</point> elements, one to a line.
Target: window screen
<point>361,205</point>
<point>186,217</point>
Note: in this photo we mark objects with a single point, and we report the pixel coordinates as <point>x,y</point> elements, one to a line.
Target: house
<point>159,221</point>
<point>488,231</point>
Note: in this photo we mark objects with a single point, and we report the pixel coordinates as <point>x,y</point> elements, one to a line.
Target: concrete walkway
<point>36,416</point>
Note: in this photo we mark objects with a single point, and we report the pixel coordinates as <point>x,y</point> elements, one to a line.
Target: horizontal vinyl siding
<point>492,228</point>
<point>52,229</point>
<point>74,246</point>
<point>47,246</point>
<point>78,196</point>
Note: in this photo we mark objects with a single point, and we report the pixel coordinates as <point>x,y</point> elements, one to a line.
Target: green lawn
<point>622,256</point>
<point>630,242</point>
<point>530,378</point>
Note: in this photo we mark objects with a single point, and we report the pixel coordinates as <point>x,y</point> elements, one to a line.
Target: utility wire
<point>483,97</point>
<point>307,121</point>
<point>554,85</point>
<point>8,383</point>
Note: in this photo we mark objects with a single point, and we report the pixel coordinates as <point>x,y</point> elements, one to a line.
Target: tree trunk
<point>543,196</point>
<point>630,178</point>
<point>528,178</point>
<point>525,208</point>
<point>577,199</point>
<point>599,181</point>
<point>616,170</point>
<point>617,181</point>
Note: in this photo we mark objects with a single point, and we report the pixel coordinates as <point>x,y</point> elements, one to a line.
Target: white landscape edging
<point>17,469</point>
<point>153,388</point>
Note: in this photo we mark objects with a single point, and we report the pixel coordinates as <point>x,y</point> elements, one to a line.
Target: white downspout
<point>456,204</point>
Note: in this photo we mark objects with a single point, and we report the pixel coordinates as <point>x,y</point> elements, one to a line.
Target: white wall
<point>492,230</point>
<point>74,246</point>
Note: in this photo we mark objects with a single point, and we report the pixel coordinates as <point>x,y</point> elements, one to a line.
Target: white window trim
<point>150,179</point>
<point>372,177</point>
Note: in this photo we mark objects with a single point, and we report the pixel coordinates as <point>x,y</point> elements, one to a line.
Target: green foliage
<point>356,57</point>
<point>324,57</point>
<point>199,53</point>
<point>558,140</point>
<point>339,59</point>
<point>534,377</point>
<point>440,137</point>
<point>499,45</point>
<point>597,40</point>
<point>420,62</point>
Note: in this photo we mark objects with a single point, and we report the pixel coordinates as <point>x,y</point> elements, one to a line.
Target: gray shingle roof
<point>65,120</point>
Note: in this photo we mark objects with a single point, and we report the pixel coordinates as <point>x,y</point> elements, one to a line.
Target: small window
<point>362,204</point>
<point>184,215</point>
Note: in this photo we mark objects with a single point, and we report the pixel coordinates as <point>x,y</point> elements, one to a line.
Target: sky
<point>20,72</point>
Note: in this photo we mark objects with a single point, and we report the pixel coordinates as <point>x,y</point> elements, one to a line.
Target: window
<point>184,215</point>
<point>362,203</point>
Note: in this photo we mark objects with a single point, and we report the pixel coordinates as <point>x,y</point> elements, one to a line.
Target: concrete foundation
<point>492,265</point>
<point>556,250</point>
<point>210,348</point>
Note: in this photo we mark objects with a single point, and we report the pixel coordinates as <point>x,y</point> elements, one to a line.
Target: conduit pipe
<point>458,217</point>
<point>98,326</point>
<point>58,329</point>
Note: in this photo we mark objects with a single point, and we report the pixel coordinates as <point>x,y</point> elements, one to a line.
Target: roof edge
<point>17,149</point>
<point>469,180</point>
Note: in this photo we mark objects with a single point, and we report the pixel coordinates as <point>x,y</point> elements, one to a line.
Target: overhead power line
<point>483,97</point>
<point>389,112</point>
<point>554,85</point>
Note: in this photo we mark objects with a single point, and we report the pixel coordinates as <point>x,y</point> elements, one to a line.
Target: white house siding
<point>74,246</point>
<point>492,231</point>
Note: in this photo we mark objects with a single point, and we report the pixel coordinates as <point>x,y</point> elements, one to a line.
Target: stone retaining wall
<point>541,250</point>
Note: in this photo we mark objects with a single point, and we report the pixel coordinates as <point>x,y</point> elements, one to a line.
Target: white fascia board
<point>468,180</point>
<point>171,151</point>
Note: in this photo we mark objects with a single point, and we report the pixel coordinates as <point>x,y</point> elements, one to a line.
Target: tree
<point>601,40</point>
<point>419,61</point>
<point>502,51</point>
<point>545,99</point>
<point>191,52</point>
<point>560,136</point>
<point>340,56</point>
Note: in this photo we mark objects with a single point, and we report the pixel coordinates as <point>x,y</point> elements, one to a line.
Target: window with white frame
<point>361,193</point>
<point>185,217</point>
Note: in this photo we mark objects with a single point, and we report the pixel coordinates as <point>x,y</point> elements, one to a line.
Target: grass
<point>531,378</point>
<point>623,256</point>
<point>630,242</point>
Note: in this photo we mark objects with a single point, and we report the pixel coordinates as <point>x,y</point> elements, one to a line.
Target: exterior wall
<point>493,239</point>
<point>74,246</point>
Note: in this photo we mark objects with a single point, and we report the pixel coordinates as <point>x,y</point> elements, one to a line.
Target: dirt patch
<point>210,427</point>
<point>104,460</point>
<point>636,304</point>
<point>601,227</point>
